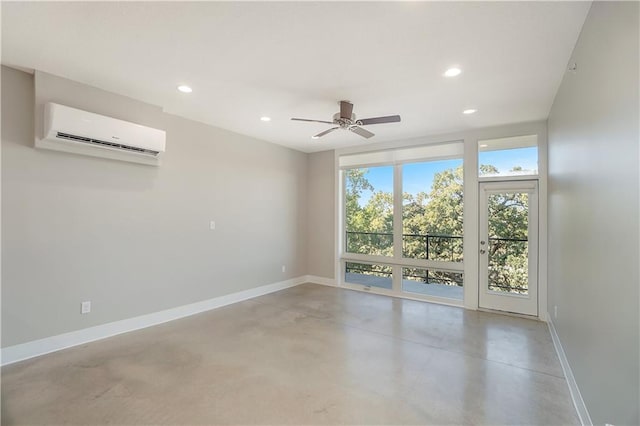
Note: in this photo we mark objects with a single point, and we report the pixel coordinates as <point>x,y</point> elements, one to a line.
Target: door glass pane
<point>508,249</point>
<point>514,156</point>
<point>432,282</point>
<point>368,274</point>
<point>432,210</point>
<point>369,210</point>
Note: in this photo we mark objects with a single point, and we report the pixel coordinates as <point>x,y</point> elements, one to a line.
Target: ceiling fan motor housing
<point>345,123</point>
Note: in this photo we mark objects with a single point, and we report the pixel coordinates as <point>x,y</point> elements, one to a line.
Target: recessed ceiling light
<point>469,111</point>
<point>452,72</point>
<point>265,118</point>
<point>185,89</point>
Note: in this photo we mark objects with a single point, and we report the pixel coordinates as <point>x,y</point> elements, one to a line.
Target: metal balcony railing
<point>416,246</point>
<point>436,247</point>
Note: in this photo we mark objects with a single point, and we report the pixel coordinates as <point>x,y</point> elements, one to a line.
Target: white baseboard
<point>320,280</point>
<point>24,351</point>
<point>578,402</point>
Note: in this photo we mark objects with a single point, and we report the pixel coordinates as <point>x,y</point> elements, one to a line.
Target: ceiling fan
<point>346,120</point>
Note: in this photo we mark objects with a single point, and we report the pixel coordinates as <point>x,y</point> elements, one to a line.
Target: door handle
<point>482,251</point>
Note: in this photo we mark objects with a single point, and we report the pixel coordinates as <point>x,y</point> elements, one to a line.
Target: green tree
<point>355,184</point>
<point>508,245</point>
<point>432,223</point>
<point>369,227</point>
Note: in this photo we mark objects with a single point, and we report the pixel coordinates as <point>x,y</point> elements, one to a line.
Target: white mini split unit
<point>81,132</point>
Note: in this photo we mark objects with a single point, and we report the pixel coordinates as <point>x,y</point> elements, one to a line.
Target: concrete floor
<point>306,355</point>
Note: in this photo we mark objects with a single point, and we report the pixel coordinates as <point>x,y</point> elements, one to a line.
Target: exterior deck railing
<point>417,246</point>
<point>432,247</point>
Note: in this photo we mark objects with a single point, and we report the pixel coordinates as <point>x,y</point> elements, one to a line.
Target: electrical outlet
<point>85,307</point>
<point>284,268</point>
<point>555,312</point>
<point>212,225</point>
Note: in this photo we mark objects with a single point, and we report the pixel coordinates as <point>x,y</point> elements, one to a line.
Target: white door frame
<point>501,301</point>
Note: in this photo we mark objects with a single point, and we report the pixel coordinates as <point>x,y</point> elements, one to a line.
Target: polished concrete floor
<point>306,355</point>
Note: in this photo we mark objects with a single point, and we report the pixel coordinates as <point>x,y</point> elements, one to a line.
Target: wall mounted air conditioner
<point>81,132</point>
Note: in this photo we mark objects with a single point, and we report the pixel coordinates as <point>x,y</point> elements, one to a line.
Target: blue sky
<point>506,159</point>
<point>417,177</point>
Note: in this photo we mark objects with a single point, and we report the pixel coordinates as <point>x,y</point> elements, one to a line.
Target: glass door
<point>509,246</point>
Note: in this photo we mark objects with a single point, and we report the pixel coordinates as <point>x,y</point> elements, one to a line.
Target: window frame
<point>397,261</point>
<point>471,205</point>
<point>508,177</point>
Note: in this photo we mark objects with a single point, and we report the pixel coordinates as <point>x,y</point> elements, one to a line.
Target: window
<point>432,282</point>
<point>508,245</point>
<point>513,156</point>
<point>424,185</point>
<point>432,210</point>
<point>369,275</point>
<point>369,210</point>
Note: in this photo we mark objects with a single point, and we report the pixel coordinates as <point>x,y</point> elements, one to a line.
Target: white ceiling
<point>245,60</point>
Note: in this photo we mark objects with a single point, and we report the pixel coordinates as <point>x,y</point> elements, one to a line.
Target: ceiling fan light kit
<point>345,119</point>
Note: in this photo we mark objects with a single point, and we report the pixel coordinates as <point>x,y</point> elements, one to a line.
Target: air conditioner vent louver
<point>105,143</point>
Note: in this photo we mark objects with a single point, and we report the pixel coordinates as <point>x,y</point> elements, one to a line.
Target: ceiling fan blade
<point>319,135</point>
<point>346,109</point>
<point>312,121</point>
<point>379,120</point>
<point>362,132</point>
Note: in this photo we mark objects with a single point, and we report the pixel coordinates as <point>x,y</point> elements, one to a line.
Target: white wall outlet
<point>284,268</point>
<point>555,311</point>
<point>85,307</point>
<point>212,225</point>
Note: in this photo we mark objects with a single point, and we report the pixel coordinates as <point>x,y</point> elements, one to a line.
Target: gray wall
<point>135,239</point>
<point>321,214</point>
<point>594,214</point>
